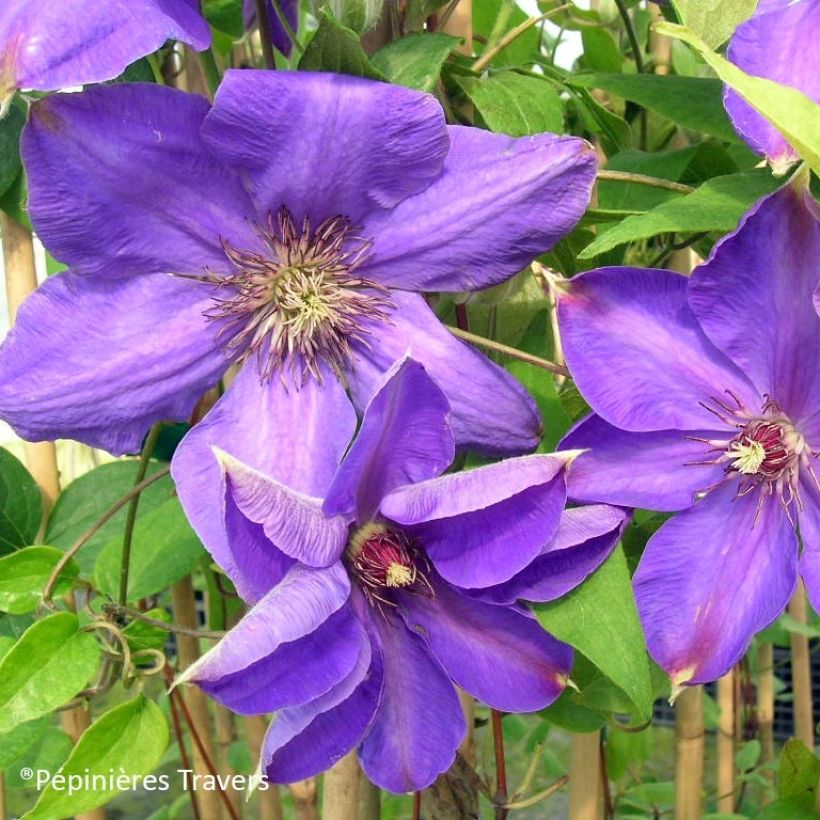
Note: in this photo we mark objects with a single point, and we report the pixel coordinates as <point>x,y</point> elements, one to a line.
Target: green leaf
<point>88,497</point>
<point>50,664</point>
<point>790,111</point>
<point>747,755</point>
<point>789,808</point>
<point>522,50</point>
<point>20,739</point>
<point>337,49</point>
<point>513,104</point>
<point>144,636</point>
<point>21,506</point>
<point>614,131</point>
<point>798,773</point>
<point>694,103</point>
<point>47,753</point>
<point>599,619</point>
<point>717,205</point>
<point>225,16</point>
<point>11,127</point>
<point>415,61</point>
<point>601,52</point>
<point>24,574</point>
<point>127,740</point>
<point>568,714</point>
<point>714,20</point>
<point>164,549</point>
<point>626,749</point>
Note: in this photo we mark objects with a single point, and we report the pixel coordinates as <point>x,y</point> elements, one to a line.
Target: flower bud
<point>359,15</point>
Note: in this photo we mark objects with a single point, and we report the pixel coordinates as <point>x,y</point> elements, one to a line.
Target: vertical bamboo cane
<point>269,800</point>
<point>585,777</point>
<point>340,800</point>
<point>689,746</point>
<point>304,799</point>
<point>765,707</point>
<point>184,605</point>
<point>801,672</point>
<point>726,743</point>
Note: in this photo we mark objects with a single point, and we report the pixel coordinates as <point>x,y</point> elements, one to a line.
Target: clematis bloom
<point>777,43</point>
<point>373,583</point>
<point>706,394</point>
<point>290,228</point>
<point>46,46</point>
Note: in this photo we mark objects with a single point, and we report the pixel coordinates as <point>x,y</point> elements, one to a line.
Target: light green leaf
<point>338,49</point>
<point>792,113</point>
<point>601,52</point>
<point>48,752</point>
<point>798,773</point>
<point>599,619</point>
<point>714,20</point>
<point>21,506</point>
<point>50,664</point>
<point>717,205</point>
<point>127,740</point>
<point>24,574</point>
<point>520,51</point>
<point>694,103</point>
<point>415,61</point>
<point>747,755</point>
<point>20,739</point>
<point>164,549</point>
<point>513,104</point>
<point>144,636</point>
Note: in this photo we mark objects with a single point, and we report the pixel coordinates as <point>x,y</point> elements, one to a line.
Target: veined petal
<point>419,724</point>
<point>304,434</point>
<point>294,522</point>
<point>777,43</point>
<point>498,203</point>
<point>509,424</point>
<point>298,606</point>
<point>655,471</point>
<point>712,577</point>
<point>100,167</point>
<point>758,281</point>
<point>404,438</point>
<point>499,655</point>
<point>480,527</point>
<point>47,46</point>
<point>100,360</point>
<point>637,352</point>
<point>350,146</point>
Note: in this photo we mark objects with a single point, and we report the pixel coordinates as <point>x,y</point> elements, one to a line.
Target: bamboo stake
<point>304,799</point>
<point>269,800</point>
<point>689,746</point>
<point>460,24</point>
<point>585,777</point>
<point>801,672</point>
<point>726,743</point>
<point>340,799</point>
<point>765,707</point>
<point>370,800</point>
<point>184,606</point>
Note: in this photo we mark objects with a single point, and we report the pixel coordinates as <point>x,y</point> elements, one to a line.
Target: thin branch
<point>210,69</point>
<point>643,179</point>
<point>536,798</point>
<point>263,24</point>
<point>500,766</point>
<point>95,528</point>
<point>117,611</point>
<point>636,53</point>
<point>512,352</point>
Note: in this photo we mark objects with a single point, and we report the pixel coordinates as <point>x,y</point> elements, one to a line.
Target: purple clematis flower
<point>377,583</point>
<point>278,33</point>
<point>290,227</point>
<point>707,400</point>
<point>778,43</point>
<point>45,46</point>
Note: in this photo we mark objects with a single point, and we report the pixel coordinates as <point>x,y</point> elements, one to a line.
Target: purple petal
<point>298,606</point>
<point>498,203</point>
<point>307,740</point>
<point>482,526</point>
<point>279,36</point>
<point>759,281</point>
<point>101,165</point>
<point>419,725</point>
<point>101,360</point>
<point>294,522</point>
<point>497,654</point>
<point>349,146</point>
<point>296,437</point>
<point>585,538</point>
<point>296,672</point>
<point>638,354</point>
<point>711,578</point>
<point>655,471</point>
<point>809,518</point>
<point>779,43</point>
<point>47,46</point>
<point>507,425</point>
<point>404,438</point>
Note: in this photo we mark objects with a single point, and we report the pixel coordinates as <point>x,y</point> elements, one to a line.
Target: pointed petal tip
<point>680,682</point>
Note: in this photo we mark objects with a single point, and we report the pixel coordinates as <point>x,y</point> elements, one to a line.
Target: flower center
<point>381,560</point>
<point>301,302</point>
<point>764,448</point>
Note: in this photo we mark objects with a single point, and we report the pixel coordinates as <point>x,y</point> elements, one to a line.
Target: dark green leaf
<point>415,61</point>
<point>798,772</point>
<point>21,506</point>
<point>10,128</point>
<point>50,664</point>
<point>614,131</point>
<point>20,739</point>
<point>144,636</point>
<point>338,49</point>
<point>225,16</point>
<point>24,574</point>
<point>572,716</point>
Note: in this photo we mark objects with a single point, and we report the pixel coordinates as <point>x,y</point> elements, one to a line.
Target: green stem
<point>642,179</point>
<point>506,350</point>
<point>636,54</point>
<point>131,517</point>
<point>211,70</point>
<point>156,69</point>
